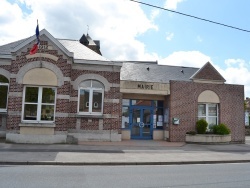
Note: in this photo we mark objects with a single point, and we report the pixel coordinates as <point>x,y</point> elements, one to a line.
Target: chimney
<point>91,44</point>
<point>83,40</point>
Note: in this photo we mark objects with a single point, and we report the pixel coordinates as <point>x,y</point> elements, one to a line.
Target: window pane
<point>47,113</point>
<point>201,110</point>
<point>48,95</point>
<point>212,121</point>
<point>125,117</point>
<point>30,112</point>
<point>84,101</point>
<point>212,110</point>
<point>125,102</point>
<point>3,96</point>
<point>85,84</point>
<point>31,94</point>
<point>97,101</point>
<point>96,84</point>
<point>3,79</point>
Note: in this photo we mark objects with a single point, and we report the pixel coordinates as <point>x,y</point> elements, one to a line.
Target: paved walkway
<point>123,153</point>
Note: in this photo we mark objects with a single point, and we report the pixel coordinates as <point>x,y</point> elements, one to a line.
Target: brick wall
<point>112,110</point>
<point>66,109</point>
<point>184,105</point>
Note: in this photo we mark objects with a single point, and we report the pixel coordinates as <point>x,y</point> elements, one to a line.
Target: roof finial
<point>87,29</point>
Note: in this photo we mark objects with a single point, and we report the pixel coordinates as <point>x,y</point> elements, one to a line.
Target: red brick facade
<point>182,101</point>
<point>67,107</point>
<point>184,105</point>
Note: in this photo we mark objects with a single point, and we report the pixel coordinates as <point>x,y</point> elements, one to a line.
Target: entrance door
<point>141,122</point>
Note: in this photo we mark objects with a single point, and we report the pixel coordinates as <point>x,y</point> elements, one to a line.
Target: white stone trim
<point>111,100</point>
<point>13,75</point>
<point>91,77</point>
<point>73,99</point>
<point>37,64</point>
<point>67,97</point>
<point>115,85</point>
<point>102,67</point>
<point>110,116</point>
<point>14,113</point>
<point>5,61</point>
<point>100,124</point>
<point>66,79</point>
<point>61,114</point>
<point>42,55</point>
<point>15,94</point>
<point>5,73</point>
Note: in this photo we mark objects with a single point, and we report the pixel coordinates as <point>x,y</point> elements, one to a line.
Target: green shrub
<point>201,126</point>
<point>221,129</point>
<point>191,132</point>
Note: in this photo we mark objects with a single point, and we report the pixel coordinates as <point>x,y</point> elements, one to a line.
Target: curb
<point>55,163</point>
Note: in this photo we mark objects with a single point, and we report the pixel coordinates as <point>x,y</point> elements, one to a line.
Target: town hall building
<point>67,91</point>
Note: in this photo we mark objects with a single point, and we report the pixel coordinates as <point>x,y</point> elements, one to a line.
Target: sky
<point>129,31</point>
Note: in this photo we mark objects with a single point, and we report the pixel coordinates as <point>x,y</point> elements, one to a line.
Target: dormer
<point>208,74</point>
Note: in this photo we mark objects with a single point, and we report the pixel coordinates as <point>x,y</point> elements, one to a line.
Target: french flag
<point>35,47</point>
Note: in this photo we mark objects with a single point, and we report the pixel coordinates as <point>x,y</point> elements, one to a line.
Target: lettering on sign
<point>44,47</point>
<point>145,86</point>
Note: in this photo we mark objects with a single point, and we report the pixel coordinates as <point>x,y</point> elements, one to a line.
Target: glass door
<point>141,122</point>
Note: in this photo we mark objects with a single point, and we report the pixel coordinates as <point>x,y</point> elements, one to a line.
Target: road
<point>177,176</point>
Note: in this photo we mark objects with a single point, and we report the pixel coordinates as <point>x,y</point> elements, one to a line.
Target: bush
<point>191,132</point>
<point>221,129</point>
<point>201,126</point>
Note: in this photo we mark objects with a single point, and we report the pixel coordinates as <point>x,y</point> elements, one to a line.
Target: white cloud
<point>154,14</point>
<point>172,4</point>
<point>115,23</point>
<point>237,72</point>
<point>169,36</point>
<point>186,58</point>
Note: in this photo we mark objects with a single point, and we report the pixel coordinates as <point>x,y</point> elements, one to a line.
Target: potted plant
<point>219,134</point>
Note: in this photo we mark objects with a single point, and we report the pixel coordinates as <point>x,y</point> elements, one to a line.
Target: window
<point>90,97</point>
<point>4,87</point>
<point>158,115</point>
<point>39,104</point>
<point>125,113</point>
<point>209,112</point>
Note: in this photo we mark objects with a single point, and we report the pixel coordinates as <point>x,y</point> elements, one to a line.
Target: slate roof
<point>80,51</point>
<point>208,72</point>
<point>6,49</point>
<point>155,73</point>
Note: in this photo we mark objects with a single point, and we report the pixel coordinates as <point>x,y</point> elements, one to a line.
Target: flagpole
<point>41,64</point>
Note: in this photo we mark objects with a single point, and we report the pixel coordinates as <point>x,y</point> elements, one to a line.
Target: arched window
<point>208,107</point>
<point>39,97</point>
<point>90,97</point>
<point>4,87</point>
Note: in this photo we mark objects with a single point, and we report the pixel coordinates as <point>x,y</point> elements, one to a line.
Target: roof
<point>145,72</point>
<point>7,48</point>
<point>208,72</point>
<point>80,51</point>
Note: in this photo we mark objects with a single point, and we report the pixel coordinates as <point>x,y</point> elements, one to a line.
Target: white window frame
<point>5,84</point>
<point>39,105</point>
<point>90,106</point>
<point>206,117</point>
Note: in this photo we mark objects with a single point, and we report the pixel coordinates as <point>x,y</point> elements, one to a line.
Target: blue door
<point>141,122</point>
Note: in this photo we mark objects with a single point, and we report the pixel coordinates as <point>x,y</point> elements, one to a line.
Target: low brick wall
<point>248,131</point>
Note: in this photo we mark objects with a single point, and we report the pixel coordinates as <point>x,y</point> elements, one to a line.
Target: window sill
<point>89,116</point>
<point>26,124</point>
<point>3,112</point>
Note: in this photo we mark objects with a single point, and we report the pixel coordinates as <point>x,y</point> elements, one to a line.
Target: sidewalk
<point>134,152</point>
